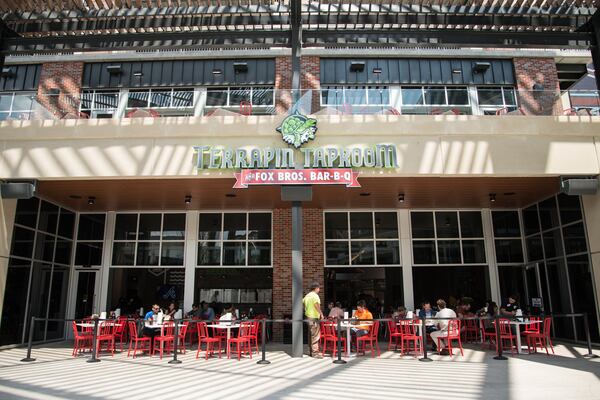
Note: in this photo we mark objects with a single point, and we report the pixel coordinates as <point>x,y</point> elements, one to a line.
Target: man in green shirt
<point>312,310</point>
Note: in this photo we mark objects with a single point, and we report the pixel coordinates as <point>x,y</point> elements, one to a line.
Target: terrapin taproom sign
<point>296,166</point>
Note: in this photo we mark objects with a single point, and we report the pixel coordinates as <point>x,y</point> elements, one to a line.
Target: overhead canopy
<point>93,24</point>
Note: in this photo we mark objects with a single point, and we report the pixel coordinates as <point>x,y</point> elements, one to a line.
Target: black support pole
<point>586,326</point>
<point>175,342</point>
<point>499,341</point>
<point>296,27</point>
<point>424,339</point>
<point>263,336</point>
<point>30,342</point>
<point>94,343</point>
<point>339,344</point>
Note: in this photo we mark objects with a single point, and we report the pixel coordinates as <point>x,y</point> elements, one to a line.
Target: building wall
<point>591,210</point>
<point>66,78</point>
<point>8,208</point>
<point>532,71</point>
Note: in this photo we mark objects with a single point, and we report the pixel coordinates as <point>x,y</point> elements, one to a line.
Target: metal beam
<point>297,307</point>
<point>296,44</point>
<point>595,48</point>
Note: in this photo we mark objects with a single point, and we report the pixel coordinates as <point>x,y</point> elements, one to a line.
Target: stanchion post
<point>499,356</point>
<point>424,341</point>
<point>30,342</point>
<point>94,343</point>
<point>586,325</point>
<point>339,344</point>
<point>175,342</point>
<point>263,336</point>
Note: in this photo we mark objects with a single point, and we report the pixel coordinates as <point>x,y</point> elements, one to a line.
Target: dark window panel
<point>449,251</point>
<point>89,254</point>
<point>559,293</point>
<point>209,253</point>
<point>336,225</point>
<point>361,225</point>
<point>15,301</point>
<point>582,291</point>
<point>44,247</point>
<point>148,253</point>
<point>569,208</point>
<point>126,227</point>
<point>509,250</point>
<point>553,243</point>
<point>91,226</point>
<point>259,253</point>
<point>66,224</point>
<point>388,252</point>
<point>473,251</point>
<point>150,227</point>
<point>57,303</point>
<point>259,226</point>
<point>48,217</point>
<point>39,293</point>
<point>22,242</point>
<point>362,252</point>
<point>446,224</point>
<point>424,252</point>
<point>234,226</point>
<point>422,224</point>
<point>173,227</point>
<point>62,255</point>
<point>171,253</point>
<point>27,211</point>
<point>470,224</point>
<point>209,226</point>
<point>548,213</point>
<point>506,223</point>
<point>386,225</point>
<point>534,248</point>
<point>531,222</point>
<point>337,253</point>
<point>574,236</point>
<point>123,253</point>
<point>234,253</point>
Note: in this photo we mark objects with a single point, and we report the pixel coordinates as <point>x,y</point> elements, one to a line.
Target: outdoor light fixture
<point>479,67</point>
<point>139,74</point>
<point>492,197</point>
<point>188,199</point>
<point>8,72</point>
<point>91,200</point>
<point>114,69</point>
<point>240,67</point>
<point>377,70</point>
<point>537,86</point>
<point>456,71</point>
<point>230,195</point>
<point>357,66</point>
<point>217,71</point>
<point>401,197</point>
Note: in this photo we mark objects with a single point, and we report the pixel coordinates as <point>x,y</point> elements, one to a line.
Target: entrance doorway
<point>87,283</point>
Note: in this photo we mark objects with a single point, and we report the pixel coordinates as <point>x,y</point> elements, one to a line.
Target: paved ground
<point>56,375</point>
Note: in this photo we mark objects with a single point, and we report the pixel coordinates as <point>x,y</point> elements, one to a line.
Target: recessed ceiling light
<point>188,199</point>
<point>365,194</point>
<point>401,197</point>
<point>91,200</point>
<point>492,197</point>
<point>230,195</point>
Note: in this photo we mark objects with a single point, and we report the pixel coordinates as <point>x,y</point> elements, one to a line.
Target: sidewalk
<point>57,375</point>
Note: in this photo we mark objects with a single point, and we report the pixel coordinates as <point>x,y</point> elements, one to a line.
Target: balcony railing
<point>325,102</point>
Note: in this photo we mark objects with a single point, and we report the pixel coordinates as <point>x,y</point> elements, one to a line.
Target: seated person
<point>427,312</point>
<point>336,312</point>
<point>228,316</point>
<point>510,308</point>
<point>400,313</point>
<point>463,310</point>
<point>194,313</point>
<point>363,327</point>
<point>172,310</point>
<point>206,312</point>
<point>151,318</point>
<point>442,325</point>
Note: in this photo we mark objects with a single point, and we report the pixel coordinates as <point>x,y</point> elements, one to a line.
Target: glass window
<point>91,227</point>
<point>332,96</point>
<point>534,248</point>
<point>388,252</point>
<point>148,253</point>
<point>337,253</point>
<point>531,221</point>
<point>509,250</point>
<point>362,252</point>
<point>259,226</point>
<point>209,253</point>
<point>15,301</point>
<point>234,226</point>
<point>173,227</point>
<point>506,223</point>
<point>548,213</point>
<point>355,95</point>
<point>171,253</point>
<point>449,251</point>
<point>27,211</point>
<point>48,217</point>
<point>490,96</point>
<point>216,97</point>
<point>435,96</point>
<point>262,97</point>
<point>424,252</point>
<point>558,283</point>
<point>22,242</point>
<point>458,96</point>
<point>183,98</point>
<point>422,224</point>
<point>44,247</point>
<point>582,291</point>
<point>66,223</point>
<point>210,227</point>
<point>126,226</point>
<point>336,225</point>
<point>473,251</point>
<point>259,253</point>
<point>160,98</point>
<point>574,236</point>
<point>553,243</point>
<point>470,224</point>
<point>386,225</point>
<point>237,95</point>
<point>62,254</point>
<point>378,95</point>
<point>138,98</point>
<point>149,228</point>
<point>361,225</point>
<point>234,253</point>
<point>57,302</point>
<point>123,253</point>
<point>510,98</point>
<point>412,96</point>
<point>446,224</point>
<point>570,208</point>
<point>89,254</point>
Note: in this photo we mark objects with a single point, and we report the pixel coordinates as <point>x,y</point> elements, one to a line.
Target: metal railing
<point>423,331</point>
<point>212,103</point>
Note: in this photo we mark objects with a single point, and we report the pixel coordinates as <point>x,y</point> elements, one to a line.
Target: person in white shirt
<point>227,316</point>
<point>442,331</point>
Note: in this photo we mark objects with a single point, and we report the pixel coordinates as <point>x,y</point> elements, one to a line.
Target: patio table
<point>227,326</point>
<point>518,324</point>
<point>347,326</point>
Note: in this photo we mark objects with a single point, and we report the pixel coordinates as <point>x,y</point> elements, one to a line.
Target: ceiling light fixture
<point>401,197</point>
<point>230,195</point>
<point>492,197</point>
<point>188,199</point>
<point>91,200</point>
<point>365,194</point>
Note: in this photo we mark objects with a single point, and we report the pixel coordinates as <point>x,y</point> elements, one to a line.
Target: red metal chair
<point>410,333</point>
<point>121,331</point>
<point>533,327</point>
<point>182,333</point>
<point>393,333</point>
<point>106,334</point>
<point>541,338</point>
<point>254,335</point>
<point>134,340</point>
<point>83,339</point>
<point>470,331</point>
<point>330,336</point>
<point>369,338</point>
<point>242,341</point>
<point>192,329</point>
<point>209,341</point>
<point>485,335</point>
<point>245,108</point>
<point>452,333</point>
<point>507,335</point>
<point>220,334</point>
<point>166,338</point>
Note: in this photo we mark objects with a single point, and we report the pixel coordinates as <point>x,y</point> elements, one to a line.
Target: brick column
<point>59,88</point>
<point>310,78</point>
<point>531,71</point>
<point>282,268</point>
<point>283,84</point>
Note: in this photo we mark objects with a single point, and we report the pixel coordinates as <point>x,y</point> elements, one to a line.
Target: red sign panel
<point>314,176</point>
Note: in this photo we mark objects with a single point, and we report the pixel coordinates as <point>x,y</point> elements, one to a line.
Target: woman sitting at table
<point>172,310</point>
<point>228,315</point>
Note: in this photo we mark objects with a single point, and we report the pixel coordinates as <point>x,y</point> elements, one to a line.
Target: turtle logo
<point>297,129</point>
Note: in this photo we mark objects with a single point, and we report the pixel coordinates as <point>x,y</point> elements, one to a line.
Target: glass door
<point>85,296</point>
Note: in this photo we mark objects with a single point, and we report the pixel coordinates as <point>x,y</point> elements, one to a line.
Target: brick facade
<point>310,78</point>
<point>532,71</point>
<point>312,260</point>
<point>59,88</point>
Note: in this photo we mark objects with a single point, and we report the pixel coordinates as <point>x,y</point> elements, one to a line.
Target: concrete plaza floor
<point>57,375</point>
